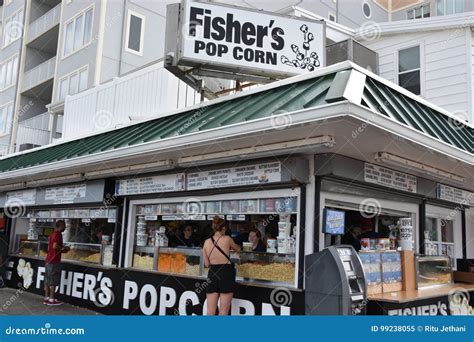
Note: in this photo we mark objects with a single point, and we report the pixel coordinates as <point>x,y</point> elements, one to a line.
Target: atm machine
<point>335,282</point>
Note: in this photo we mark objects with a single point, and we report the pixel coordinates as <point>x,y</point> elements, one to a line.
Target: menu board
<point>151,184</point>
<point>65,194</point>
<point>235,176</point>
<point>390,178</point>
<point>451,194</point>
<point>23,197</point>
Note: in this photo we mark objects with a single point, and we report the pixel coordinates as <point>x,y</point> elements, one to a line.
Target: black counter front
<point>126,291</point>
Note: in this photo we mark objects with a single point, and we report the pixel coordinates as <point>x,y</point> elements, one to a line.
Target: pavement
<point>14,302</point>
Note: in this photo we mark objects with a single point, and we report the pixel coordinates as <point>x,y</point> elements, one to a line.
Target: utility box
<point>350,50</point>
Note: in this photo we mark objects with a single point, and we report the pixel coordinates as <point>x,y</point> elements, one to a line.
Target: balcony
<point>5,149</point>
<point>39,74</point>
<point>44,23</point>
<point>34,132</point>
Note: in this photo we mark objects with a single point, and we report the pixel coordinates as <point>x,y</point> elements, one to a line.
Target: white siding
<point>444,55</point>
<point>148,92</point>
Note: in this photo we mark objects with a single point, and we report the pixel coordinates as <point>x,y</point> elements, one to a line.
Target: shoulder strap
<point>220,249</point>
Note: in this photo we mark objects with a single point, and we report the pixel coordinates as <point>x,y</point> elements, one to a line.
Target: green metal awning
<point>283,97</point>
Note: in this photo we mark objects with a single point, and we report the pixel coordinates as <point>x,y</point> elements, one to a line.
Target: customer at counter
<point>255,238</point>
<point>222,272</point>
<point>351,237</point>
<point>52,276</point>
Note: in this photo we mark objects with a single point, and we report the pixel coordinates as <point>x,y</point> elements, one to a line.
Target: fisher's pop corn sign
<point>234,39</point>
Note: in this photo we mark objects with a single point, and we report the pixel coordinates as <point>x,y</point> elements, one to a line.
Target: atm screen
<point>347,266</point>
<point>354,285</point>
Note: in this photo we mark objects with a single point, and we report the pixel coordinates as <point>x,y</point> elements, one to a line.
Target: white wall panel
<point>145,93</point>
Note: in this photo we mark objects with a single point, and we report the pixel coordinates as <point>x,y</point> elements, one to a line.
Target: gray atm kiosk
<point>335,282</point>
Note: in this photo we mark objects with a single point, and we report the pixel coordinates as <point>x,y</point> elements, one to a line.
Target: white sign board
<point>151,184</point>
<point>65,194</point>
<point>234,176</point>
<point>237,38</point>
<point>390,178</point>
<point>21,198</point>
<point>451,194</point>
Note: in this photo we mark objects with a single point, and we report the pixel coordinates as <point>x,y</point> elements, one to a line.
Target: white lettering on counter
<point>148,289</point>
<point>130,292</point>
<point>167,299</point>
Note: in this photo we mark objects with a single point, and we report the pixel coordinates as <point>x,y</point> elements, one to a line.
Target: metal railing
<point>39,74</point>
<point>44,23</point>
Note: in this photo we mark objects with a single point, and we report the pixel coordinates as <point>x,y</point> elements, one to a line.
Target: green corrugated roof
<point>401,108</point>
<point>308,93</point>
<point>287,98</point>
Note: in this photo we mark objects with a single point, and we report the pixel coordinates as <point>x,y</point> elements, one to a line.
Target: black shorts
<point>221,279</point>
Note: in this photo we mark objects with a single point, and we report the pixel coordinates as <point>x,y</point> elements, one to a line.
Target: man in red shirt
<point>53,263</point>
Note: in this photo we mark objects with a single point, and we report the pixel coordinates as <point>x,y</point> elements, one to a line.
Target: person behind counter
<point>221,275</point>
<point>187,238</point>
<point>255,237</point>
<point>53,263</point>
<point>243,233</point>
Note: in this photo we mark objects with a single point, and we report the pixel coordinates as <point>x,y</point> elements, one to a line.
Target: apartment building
<point>355,13</point>
<point>13,14</point>
<point>432,57</point>
<point>52,49</point>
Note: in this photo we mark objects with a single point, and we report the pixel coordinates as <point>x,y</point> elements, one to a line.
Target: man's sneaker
<point>46,300</point>
<point>54,302</point>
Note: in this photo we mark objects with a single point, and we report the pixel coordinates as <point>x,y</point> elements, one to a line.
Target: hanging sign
<point>151,184</point>
<point>229,38</point>
<point>235,176</point>
<point>456,195</point>
<point>21,198</point>
<point>390,178</point>
<point>65,194</point>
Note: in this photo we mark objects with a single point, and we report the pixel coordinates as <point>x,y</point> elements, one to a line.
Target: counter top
<point>413,295</point>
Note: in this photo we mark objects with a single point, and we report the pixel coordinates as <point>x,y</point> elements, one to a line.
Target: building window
<point>419,12</point>
<point>8,73</point>
<point>331,17</point>
<point>446,7</point>
<point>13,28</point>
<point>367,10</point>
<point>409,71</point>
<point>135,33</point>
<point>78,32</point>
<point>6,117</point>
<point>73,83</point>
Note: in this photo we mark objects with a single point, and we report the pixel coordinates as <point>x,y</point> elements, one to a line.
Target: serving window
<point>167,235</point>
<point>89,233</point>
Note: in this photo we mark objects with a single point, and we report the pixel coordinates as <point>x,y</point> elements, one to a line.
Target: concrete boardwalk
<point>13,302</point>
